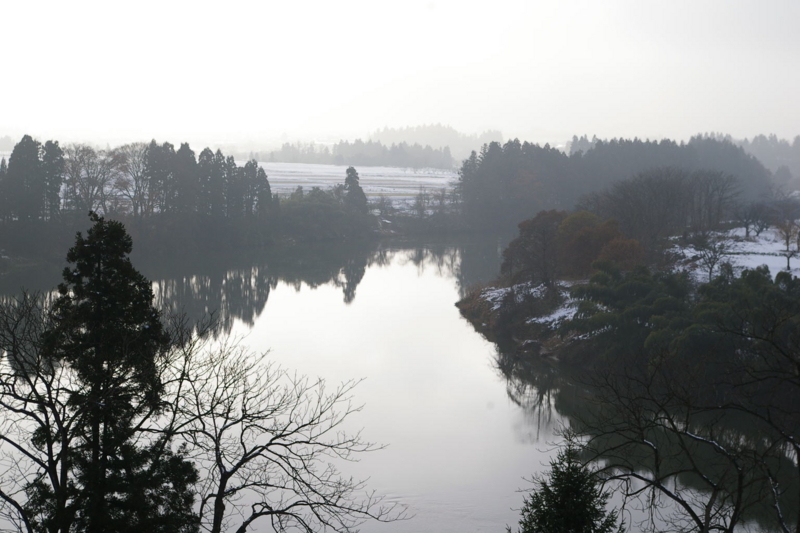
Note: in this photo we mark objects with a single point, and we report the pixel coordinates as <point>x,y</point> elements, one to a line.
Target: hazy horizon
<point>261,73</point>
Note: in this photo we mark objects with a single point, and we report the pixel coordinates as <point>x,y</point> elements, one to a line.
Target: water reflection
<point>704,456</point>
<point>236,286</point>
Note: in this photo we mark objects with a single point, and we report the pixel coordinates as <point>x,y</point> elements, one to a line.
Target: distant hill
<point>438,136</point>
<point>360,153</point>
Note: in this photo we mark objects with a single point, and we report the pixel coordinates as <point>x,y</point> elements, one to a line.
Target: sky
<point>257,71</point>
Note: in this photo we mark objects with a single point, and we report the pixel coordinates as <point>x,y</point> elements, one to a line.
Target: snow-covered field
<point>766,249</point>
<point>399,184</point>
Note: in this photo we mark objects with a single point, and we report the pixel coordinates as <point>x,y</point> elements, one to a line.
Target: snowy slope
<point>766,249</point>
<point>396,183</point>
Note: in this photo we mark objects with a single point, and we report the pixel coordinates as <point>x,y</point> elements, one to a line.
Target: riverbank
<point>533,320</point>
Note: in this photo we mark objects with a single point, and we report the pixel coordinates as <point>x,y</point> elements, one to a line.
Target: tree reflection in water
<point>681,465</point>
<point>237,287</point>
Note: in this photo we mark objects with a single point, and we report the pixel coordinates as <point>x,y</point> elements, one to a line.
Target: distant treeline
<point>172,196</point>
<point>504,184</point>
<point>781,156</point>
<point>360,153</point>
<point>438,136</point>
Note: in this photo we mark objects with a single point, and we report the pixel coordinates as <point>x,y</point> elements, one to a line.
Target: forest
<point>169,198</point>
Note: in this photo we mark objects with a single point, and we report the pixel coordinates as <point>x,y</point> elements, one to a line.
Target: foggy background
<point>255,73</point>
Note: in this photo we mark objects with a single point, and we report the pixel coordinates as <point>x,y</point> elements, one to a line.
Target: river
<point>457,446</point>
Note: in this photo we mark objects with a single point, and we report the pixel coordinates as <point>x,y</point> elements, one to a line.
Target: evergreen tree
<point>205,174</point>
<point>354,194</point>
<point>570,500</point>
<point>26,182</point>
<point>218,187</point>
<point>235,193</point>
<point>5,207</point>
<point>187,183</point>
<point>263,194</point>
<point>160,172</point>
<point>249,177</point>
<point>108,332</point>
<point>53,171</point>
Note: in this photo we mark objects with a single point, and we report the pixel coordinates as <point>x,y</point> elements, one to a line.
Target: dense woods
<point>358,152</point>
<point>781,156</point>
<point>504,184</point>
<point>173,198</point>
<point>42,182</point>
<point>688,381</point>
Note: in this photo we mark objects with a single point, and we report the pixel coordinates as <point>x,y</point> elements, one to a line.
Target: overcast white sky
<point>250,71</point>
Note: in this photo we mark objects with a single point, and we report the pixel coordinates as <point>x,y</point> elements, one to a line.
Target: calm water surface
<point>458,447</point>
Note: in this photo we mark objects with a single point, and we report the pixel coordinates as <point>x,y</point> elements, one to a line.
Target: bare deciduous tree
<point>711,250</point>
<point>786,213</point>
<point>89,177</point>
<point>132,182</point>
<point>264,440</point>
<point>712,198</point>
<point>672,457</point>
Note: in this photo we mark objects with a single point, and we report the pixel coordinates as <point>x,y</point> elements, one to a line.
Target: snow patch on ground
<point>566,311</point>
<point>495,295</point>
<point>554,320</point>
<point>742,253</point>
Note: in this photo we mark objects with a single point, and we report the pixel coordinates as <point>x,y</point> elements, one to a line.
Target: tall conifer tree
<point>5,208</point>
<point>26,180</point>
<point>354,194</point>
<point>53,173</point>
<point>107,330</point>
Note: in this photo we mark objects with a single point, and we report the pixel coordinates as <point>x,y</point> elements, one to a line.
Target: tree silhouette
<point>354,194</point>
<point>569,499</point>
<point>25,179</point>
<point>106,329</point>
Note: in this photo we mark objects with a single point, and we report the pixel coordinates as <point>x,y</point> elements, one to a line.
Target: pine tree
<point>53,170</point>
<point>235,192</point>
<point>354,194</point>
<point>160,172</point>
<point>5,207</point>
<point>218,187</point>
<point>26,183</point>
<point>570,500</point>
<point>187,183</point>
<point>263,194</point>
<point>205,174</point>
<point>249,180</point>
<point>108,332</point>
